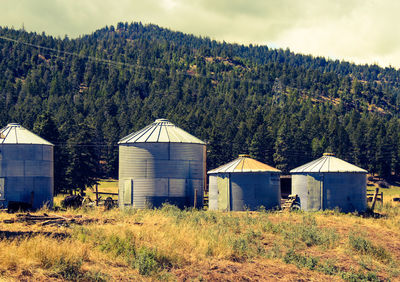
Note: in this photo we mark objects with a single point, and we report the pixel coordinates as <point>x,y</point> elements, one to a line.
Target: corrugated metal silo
<point>329,183</point>
<point>243,184</point>
<point>161,163</point>
<point>26,167</point>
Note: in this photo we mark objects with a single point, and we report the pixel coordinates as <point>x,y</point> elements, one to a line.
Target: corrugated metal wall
<point>318,191</point>
<point>155,173</point>
<point>25,169</point>
<point>346,191</point>
<point>241,191</point>
<point>252,190</point>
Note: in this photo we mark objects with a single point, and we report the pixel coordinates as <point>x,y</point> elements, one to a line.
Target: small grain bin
<point>161,163</point>
<point>329,183</point>
<point>243,184</point>
<point>26,167</point>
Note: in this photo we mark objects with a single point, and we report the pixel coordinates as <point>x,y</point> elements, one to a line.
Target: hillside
<point>283,108</point>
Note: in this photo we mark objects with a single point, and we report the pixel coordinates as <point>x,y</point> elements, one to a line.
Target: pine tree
<point>83,163</point>
<point>47,129</point>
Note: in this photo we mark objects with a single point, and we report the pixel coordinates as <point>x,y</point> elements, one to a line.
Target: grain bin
<point>243,184</point>
<point>161,163</point>
<point>26,167</point>
<point>329,183</point>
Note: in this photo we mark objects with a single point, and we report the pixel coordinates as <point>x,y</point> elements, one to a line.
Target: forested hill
<point>283,108</point>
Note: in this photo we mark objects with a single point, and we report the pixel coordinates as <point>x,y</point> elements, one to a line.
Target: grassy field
<point>171,244</point>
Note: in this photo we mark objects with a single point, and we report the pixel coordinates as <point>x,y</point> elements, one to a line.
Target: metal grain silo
<point>26,167</point>
<point>243,184</point>
<point>161,163</point>
<point>329,183</point>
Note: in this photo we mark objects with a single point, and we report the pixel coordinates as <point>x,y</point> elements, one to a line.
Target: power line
<point>113,63</point>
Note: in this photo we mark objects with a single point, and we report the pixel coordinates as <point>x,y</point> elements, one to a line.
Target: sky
<point>360,31</point>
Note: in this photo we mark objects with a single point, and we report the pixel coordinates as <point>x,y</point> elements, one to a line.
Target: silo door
<point>314,184</point>
<point>128,191</point>
<point>223,193</point>
<point>2,190</point>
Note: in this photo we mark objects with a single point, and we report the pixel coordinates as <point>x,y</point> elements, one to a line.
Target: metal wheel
<point>108,203</point>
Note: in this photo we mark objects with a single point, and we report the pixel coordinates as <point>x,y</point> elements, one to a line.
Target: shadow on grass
<point>28,234</point>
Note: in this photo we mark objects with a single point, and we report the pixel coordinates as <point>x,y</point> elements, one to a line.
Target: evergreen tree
<point>46,128</point>
<point>83,163</point>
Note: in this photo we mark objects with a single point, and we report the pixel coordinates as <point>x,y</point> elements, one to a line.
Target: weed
<point>360,276</point>
<point>328,267</point>
<point>365,247</point>
<point>275,251</point>
<point>119,246</point>
<point>240,248</point>
<point>95,276</point>
<point>68,269</point>
<point>300,261</point>
<point>146,262</point>
<point>261,209</point>
<point>268,226</point>
<point>310,234</point>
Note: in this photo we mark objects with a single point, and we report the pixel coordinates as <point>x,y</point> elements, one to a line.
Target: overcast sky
<point>361,31</point>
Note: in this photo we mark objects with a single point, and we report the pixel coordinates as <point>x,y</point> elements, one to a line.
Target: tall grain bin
<point>161,163</point>
<point>243,184</point>
<point>328,183</point>
<point>26,167</point>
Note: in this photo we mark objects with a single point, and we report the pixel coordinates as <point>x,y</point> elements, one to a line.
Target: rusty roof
<point>244,164</point>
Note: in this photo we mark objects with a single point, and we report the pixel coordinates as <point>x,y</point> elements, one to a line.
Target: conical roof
<point>244,164</point>
<point>328,163</point>
<point>163,131</point>
<point>14,133</point>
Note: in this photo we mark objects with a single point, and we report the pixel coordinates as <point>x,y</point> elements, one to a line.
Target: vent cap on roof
<point>160,131</point>
<point>328,163</point>
<point>14,133</point>
<point>244,156</point>
<point>244,164</point>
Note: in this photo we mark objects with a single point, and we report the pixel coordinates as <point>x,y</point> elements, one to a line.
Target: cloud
<point>357,30</point>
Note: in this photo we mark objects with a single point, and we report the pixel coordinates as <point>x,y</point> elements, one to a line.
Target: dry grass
<point>171,244</point>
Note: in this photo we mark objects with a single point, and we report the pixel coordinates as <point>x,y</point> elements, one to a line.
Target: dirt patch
<point>260,270</point>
